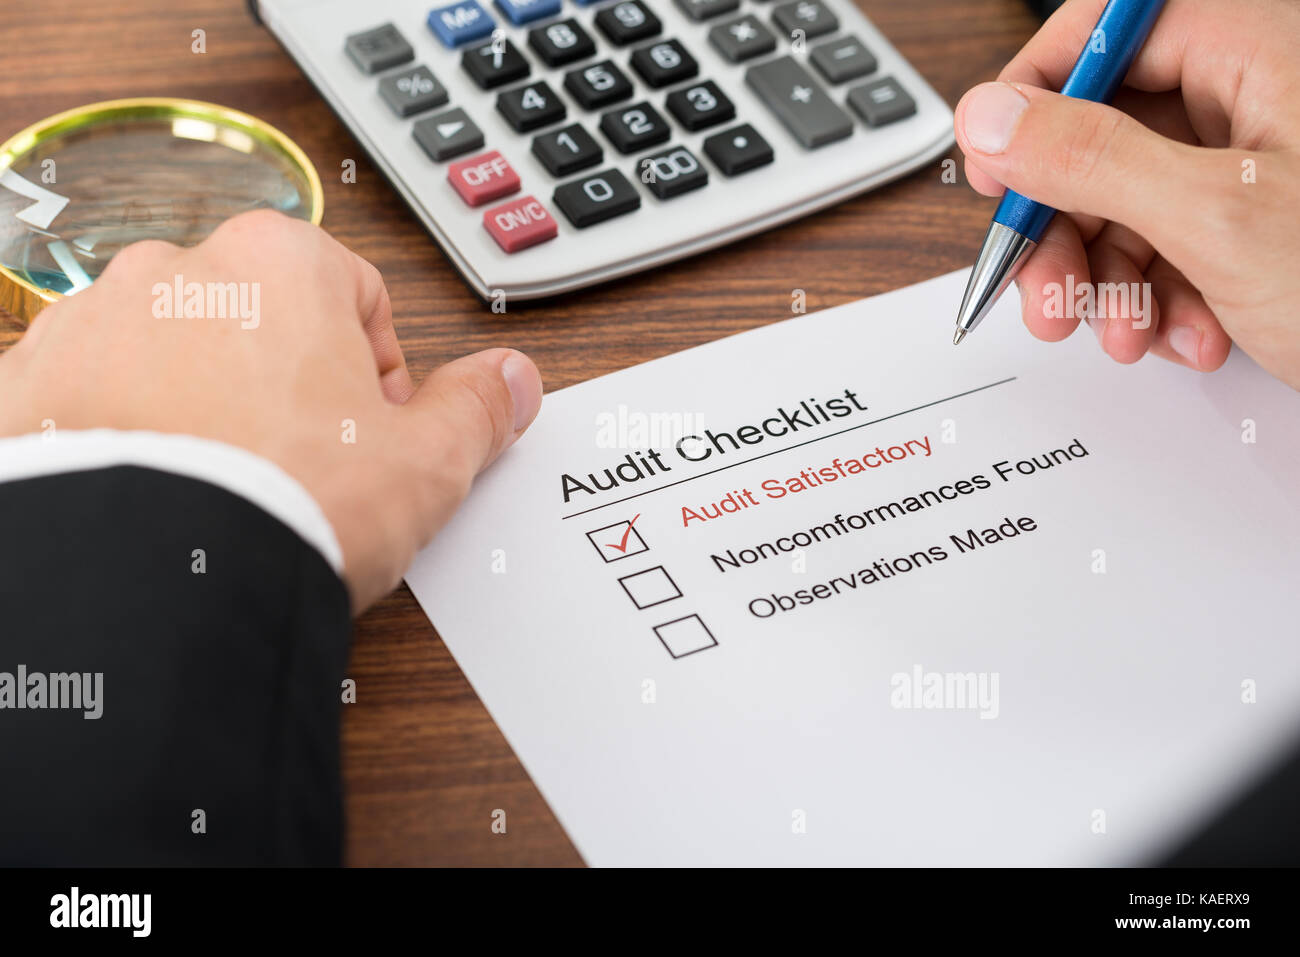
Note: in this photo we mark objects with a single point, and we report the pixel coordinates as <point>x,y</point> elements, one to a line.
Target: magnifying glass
<point>77,187</point>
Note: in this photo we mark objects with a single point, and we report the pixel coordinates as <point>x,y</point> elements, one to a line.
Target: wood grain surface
<point>424,764</point>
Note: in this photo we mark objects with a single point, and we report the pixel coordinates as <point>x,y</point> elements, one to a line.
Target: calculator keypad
<point>551,58</point>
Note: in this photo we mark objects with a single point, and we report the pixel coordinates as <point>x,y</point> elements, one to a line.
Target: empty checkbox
<point>685,636</point>
<point>620,540</point>
<point>654,586</point>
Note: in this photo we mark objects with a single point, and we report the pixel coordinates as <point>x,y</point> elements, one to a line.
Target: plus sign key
<point>799,102</point>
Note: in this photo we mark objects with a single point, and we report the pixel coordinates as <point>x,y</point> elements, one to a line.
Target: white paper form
<point>1009,603</point>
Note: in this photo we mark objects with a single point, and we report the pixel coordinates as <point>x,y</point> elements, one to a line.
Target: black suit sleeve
<point>218,741</point>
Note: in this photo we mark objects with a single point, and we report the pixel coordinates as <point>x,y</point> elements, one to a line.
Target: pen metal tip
<point>958,337</point>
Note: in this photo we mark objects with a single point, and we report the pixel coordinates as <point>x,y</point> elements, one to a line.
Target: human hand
<point>320,352</point>
<point>1189,182</point>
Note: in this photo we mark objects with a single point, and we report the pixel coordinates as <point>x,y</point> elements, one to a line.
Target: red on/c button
<point>519,224</point>
<point>482,179</point>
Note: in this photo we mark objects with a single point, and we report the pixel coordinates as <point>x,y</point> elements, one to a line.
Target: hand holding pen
<point>1188,185</point>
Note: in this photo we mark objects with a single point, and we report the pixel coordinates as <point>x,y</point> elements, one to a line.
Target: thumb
<point>1083,157</point>
<point>469,411</point>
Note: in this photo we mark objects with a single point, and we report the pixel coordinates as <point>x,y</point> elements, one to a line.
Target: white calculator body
<point>552,144</point>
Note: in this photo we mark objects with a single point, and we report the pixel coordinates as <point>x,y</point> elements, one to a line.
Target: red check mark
<point>622,546</point>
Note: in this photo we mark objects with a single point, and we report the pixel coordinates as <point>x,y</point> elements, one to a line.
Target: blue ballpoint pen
<point>1019,222</point>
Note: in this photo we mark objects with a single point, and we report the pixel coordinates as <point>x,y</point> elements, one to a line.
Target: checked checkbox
<point>620,540</point>
<point>654,586</point>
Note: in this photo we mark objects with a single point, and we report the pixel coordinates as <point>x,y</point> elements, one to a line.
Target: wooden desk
<point>424,765</point>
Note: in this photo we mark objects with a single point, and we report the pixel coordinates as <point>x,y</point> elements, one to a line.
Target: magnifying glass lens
<point>88,183</point>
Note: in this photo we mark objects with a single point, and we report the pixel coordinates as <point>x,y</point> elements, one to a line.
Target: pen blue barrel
<point>1097,74</point>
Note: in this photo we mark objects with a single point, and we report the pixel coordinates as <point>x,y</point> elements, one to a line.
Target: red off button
<point>483,178</point>
<point>519,224</point>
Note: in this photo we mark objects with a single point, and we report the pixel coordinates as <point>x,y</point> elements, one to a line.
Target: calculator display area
<point>591,141</point>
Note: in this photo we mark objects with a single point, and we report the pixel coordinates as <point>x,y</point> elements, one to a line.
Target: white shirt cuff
<point>236,470</point>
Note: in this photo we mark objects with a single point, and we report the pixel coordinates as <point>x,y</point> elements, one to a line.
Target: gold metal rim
<point>23,298</point>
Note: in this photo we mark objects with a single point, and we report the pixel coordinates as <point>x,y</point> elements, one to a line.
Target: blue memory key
<point>526,11</point>
<point>460,23</point>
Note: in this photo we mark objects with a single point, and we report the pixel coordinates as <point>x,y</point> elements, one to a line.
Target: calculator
<point>548,145</point>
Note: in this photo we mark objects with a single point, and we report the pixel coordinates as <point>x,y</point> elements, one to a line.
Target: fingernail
<point>991,114</point>
<point>525,388</point>
<point>1187,343</point>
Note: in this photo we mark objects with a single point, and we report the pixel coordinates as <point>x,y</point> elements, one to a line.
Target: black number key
<point>628,22</point>
<point>567,150</point>
<point>704,9</point>
<point>742,38</point>
<point>598,85</point>
<point>700,106</point>
<point>495,64</point>
<point>596,198</point>
<point>561,42</point>
<point>379,49</point>
<point>672,172</point>
<point>799,102</point>
<point>634,127</point>
<point>738,149</point>
<point>664,62</point>
<point>806,15</point>
<point>531,106</point>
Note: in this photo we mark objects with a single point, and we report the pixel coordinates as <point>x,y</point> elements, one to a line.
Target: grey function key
<point>881,101</point>
<point>412,91</point>
<point>799,102</point>
<point>379,49</point>
<point>742,39</point>
<point>808,16</point>
<point>843,60</point>
<point>447,134</point>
